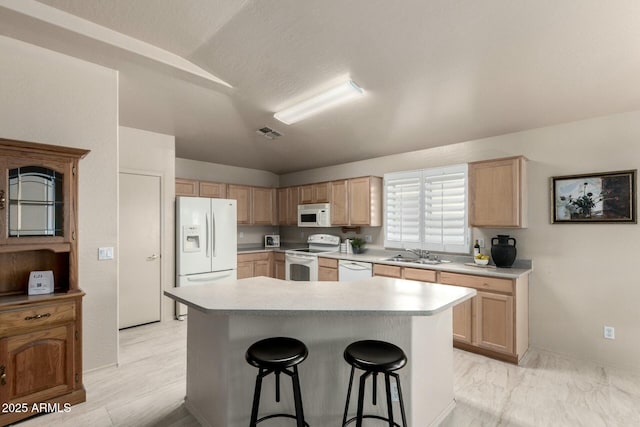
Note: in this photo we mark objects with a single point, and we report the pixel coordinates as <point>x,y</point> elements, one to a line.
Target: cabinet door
<point>242,194</point>
<point>38,197</point>
<point>462,321</point>
<point>365,201</point>
<point>497,193</point>
<point>340,202</point>
<point>187,187</point>
<point>493,319</point>
<point>283,205</point>
<point>387,270</point>
<point>245,269</point>
<point>327,274</point>
<point>264,205</point>
<point>262,268</point>
<point>321,192</point>
<point>38,365</point>
<point>280,269</point>
<point>216,190</point>
<point>419,274</point>
<point>294,201</point>
<point>306,194</point>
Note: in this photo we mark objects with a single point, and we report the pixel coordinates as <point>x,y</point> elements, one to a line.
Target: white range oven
<point>302,264</point>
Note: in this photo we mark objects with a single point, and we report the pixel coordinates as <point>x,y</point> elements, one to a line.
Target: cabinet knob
<point>2,199</point>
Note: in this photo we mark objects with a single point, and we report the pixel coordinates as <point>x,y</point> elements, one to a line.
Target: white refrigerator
<point>206,242</point>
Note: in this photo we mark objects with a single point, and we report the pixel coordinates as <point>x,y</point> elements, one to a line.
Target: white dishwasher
<point>354,270</point>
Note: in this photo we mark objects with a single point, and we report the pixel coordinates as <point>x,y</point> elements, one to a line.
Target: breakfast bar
<point>225,318</point>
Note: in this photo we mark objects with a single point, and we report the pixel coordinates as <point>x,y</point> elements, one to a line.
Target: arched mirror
<point>36,202</point>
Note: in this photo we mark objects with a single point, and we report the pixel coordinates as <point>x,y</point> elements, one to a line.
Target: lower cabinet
<point>255,264</point>
<point>328,269</point>
<point>495,322</point>
<point>40,358</point>
<point>279,266</point>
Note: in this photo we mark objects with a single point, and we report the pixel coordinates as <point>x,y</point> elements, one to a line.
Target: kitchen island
<point>226,318</point>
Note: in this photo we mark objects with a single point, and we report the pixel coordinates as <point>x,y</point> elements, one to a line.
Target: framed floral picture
<point>607,197</point>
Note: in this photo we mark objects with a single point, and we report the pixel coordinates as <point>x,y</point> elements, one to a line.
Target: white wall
<point>584,274</point>
<point>55,99</point>
<point>154,154</point>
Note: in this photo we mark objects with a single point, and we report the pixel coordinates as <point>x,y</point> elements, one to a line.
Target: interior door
<point>140,231</point>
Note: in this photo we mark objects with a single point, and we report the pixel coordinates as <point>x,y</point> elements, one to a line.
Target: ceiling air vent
<point>269,133</point>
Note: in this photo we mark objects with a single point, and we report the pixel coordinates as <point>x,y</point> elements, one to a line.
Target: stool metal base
<point>297,396</point>
<point>360,416</point>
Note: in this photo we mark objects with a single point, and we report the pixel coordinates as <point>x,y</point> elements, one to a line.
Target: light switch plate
<point>105,253</point>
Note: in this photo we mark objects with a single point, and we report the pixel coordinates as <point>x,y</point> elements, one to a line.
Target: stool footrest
<point>279,416</point>
<point>377,417</point>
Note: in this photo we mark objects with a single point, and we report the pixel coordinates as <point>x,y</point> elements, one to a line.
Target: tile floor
<point>546,390</point>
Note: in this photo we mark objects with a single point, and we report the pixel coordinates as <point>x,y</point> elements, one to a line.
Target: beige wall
<point>150,153</point>
<point>55,99</point>
<point>584,274</point>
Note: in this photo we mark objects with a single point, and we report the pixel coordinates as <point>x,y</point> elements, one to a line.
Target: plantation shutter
<point>403,213</point>
<point>445,209</point>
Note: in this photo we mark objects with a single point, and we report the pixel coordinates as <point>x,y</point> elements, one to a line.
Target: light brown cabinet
<point>279,266</point>
<point>327,269</point>
<point>340,202</point>
<point>187,187</point>
<point>255,264</point>
<point>242,195</point>
<point>288,199</point>
<point>263,206</point>
<point>495,321</point>
<point>498,193</point>
<point>315,193</point>
<point>215,190</point>
<point>365,201</point>
<point>40,337</point>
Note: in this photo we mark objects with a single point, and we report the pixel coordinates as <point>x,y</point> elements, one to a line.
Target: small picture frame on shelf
<point>41,282</point>
<point>606,197</point>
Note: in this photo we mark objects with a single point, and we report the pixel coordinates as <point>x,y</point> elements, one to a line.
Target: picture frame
<point>604,197</point>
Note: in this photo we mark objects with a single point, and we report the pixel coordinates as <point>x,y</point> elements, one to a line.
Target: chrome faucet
<point>420,253</point>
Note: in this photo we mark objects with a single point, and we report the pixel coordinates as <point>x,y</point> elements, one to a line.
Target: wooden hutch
<point>40,335</point>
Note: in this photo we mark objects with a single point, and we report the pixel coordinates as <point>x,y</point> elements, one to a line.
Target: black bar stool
<point>275,356</point>
<point>374,357</point>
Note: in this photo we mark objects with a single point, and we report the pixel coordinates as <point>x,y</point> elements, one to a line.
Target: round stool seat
<point>375,356</point>
<point>278,352</point>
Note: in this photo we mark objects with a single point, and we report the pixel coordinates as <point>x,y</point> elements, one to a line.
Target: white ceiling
<point>435,72</point>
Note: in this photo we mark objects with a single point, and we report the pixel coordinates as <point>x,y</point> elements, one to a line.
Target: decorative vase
<point>357,249</point>
<point>503,253</point>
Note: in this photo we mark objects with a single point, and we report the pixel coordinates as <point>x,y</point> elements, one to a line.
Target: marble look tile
<point>148,388</point>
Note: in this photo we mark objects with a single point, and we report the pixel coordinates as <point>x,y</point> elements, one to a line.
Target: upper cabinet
<point>195,188</point>
<point>288,200</point>
<point>263,202</point>
<point>498,193</point>
<point>242,194</point>
<point>365,201</point>
<point>315,193</point>
<point>340,202</point>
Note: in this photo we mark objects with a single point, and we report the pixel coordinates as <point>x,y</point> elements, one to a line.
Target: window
<point>427,209</point>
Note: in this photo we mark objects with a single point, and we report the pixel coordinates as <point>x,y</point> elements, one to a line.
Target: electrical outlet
<point>610,332</point>
<point>367,238</point>
<point>481,243</point>
<point>394,393</point>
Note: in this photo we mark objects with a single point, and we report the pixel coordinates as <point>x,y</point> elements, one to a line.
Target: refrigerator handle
<point>213,233</point>
<point>206,220</point>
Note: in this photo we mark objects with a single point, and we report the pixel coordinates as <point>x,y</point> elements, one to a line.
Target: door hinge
<point>73,171</point>
<point>77,378</point>
<point>3,375</point>
<point>77,335</point>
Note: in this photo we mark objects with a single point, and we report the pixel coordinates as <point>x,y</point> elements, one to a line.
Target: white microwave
<point>317,215</point>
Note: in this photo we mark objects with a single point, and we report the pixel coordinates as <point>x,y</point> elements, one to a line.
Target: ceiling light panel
<point>340,94</point>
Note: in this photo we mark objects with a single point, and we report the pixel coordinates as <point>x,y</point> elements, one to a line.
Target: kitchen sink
<point>414,260</point>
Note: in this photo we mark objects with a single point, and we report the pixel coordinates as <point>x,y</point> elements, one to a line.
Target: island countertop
<point>375,295</point>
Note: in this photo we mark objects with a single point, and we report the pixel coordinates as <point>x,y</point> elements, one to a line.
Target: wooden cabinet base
<point>489,353</point>
<point>21,410</point>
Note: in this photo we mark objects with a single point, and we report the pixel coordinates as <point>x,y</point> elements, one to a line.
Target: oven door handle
<point>302,258</point>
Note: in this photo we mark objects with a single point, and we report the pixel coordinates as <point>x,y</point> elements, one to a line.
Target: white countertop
<point>376,295</point>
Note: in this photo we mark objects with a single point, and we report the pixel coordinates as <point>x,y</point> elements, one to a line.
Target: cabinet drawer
<point>387,270</point>
<point>327,262</point>
<point>258,256</point>
<point>419,274</point>
<point>478,282</point>
<point>13,320</point>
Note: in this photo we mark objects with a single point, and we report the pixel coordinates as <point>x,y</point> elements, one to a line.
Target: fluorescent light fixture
<point>337,95</point>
